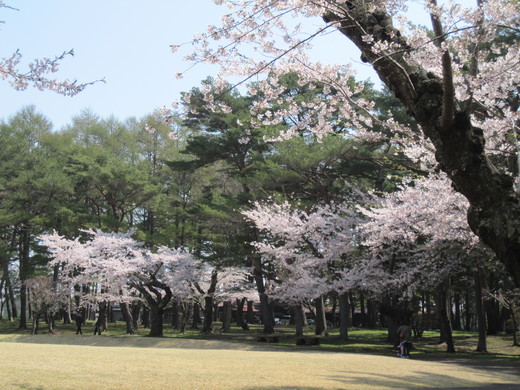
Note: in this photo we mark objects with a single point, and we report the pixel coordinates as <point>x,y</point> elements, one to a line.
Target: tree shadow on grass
<point>416,380</point>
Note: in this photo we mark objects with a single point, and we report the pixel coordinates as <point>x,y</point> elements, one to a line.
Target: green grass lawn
<point>360,340</point>
<point>65,360</point>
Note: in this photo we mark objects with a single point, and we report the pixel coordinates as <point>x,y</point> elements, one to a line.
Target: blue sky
<point>126,42</point>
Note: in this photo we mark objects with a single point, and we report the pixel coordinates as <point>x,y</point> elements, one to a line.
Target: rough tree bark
<point>344,310</point>
<point>444,318</point>
<point>320,321</point>
<point>226,318</point>
<point>267,315</point>
<point>207,326</point>
<point>127,316</point>
<point>298,319</point>
<point>494,213</point>
<point>157,296</point>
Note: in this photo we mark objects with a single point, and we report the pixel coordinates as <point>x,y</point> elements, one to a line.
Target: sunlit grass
<point>67,361</point>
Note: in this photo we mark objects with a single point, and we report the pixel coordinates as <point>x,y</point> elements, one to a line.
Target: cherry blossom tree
<point>37,73</point>
<point>458,80</point>
<point>121,269</point>
<point>45,296</point>
<point>417,239</point>
<point>305,249</point>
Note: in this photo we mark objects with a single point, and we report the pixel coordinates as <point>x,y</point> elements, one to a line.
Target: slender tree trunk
<point>208,303</point>
<point>185,312</point>
<point>23,254</point>
<point>23,306</point>
<point>467,308</point>
<point>352,301</point>
<point>267,316</point>
<point>35,323</point>
<point>8,306</point>
<point>50,321</point>
<point>371,314</point>
<point>481,316</point>
<point>250,312</point>
<point>136,310</point>
<point>2,299</point>
<point>363,316</point>
<point>428,311</point>
<point>344,311</point>
<point>127,316</point>
<point>103,308</point>
<point>240,314</point>
<point>196,316</point>
<point>456,319</point>
<point>226,320</point>
<point>515,327</point>
<point>298,319</point>
<point>443,309</point>
<point>320,321</point>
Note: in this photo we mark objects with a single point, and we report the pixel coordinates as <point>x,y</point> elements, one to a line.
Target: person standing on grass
<point>79,322</point>
<point>404,333</point>
<point>97,325</point>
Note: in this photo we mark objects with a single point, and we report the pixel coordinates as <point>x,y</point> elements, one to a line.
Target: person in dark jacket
<point>97,325</point>
<point>79,322</point>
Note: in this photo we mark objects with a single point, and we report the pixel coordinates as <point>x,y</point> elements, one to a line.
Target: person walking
<point>79,322</point>
<point>404,334</point>
<point>97,325</point>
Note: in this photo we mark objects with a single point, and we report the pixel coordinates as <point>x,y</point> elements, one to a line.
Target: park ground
<point>238,360</point>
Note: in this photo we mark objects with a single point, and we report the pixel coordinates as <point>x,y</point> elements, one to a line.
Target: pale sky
<point>126,42</point>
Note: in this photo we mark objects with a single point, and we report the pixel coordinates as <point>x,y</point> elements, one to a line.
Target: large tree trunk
<point>226,318</point>
<point>195,316</point>
<point>444,318</point>
<point>103,308</point>
<point>267,315</point>
<point>156,320</point>
<point>208,303</point>
<point>129,320</point>
<point>320,321</point>
<point>207,326</point>
<point>371,314</point>
<point>299,314</point>
<point>494,213</point>
<point>157,296</point>
<point>136,310</point>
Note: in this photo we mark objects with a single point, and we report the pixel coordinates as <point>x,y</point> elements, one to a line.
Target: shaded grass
<point>360,340</point>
